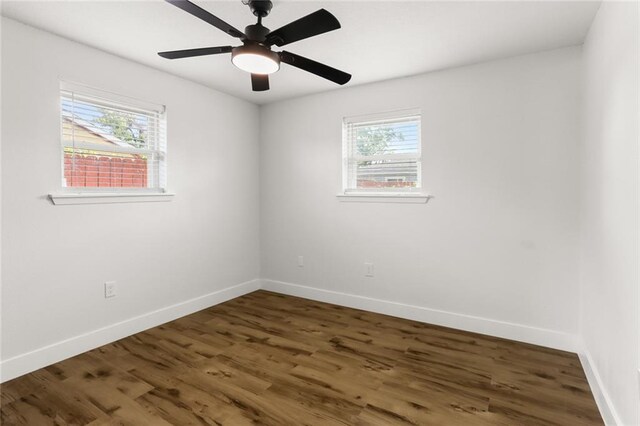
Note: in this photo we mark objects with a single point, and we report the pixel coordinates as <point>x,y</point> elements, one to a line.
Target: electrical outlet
<point>109,289</point>
<point>301,261</point>
<point>368,269</point>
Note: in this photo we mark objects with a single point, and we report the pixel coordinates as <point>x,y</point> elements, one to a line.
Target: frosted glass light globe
<point>255,60</point>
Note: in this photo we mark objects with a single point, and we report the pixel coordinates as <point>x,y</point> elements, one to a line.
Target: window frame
<point>348,190</point>
<point>109,194</point>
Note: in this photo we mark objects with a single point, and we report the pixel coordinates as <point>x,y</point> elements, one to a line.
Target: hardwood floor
<point>270,359</point>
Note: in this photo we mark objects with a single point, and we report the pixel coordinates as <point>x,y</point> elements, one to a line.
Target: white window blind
<point>382,153</point>
<point>111,143</point>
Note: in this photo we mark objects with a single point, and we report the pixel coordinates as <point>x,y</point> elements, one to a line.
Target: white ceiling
<point>378,40</point>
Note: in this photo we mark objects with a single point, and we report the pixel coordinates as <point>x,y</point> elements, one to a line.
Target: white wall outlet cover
<point>301,261</point>
<point>110,289</point>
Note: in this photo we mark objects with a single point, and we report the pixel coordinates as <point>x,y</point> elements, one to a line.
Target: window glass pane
<point>386,138</point>
<point>386,174</point>
<point>100,124</point>
<point>382,152</point>
<point>109,145</point>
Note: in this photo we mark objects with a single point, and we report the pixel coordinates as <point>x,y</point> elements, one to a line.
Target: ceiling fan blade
<point>260,82</point>
<point>314,67</point>
<point>199,12</point>
<point>188,53</point>
<point>318,22</point>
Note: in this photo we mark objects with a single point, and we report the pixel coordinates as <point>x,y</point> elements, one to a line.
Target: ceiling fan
<point>255,55</point>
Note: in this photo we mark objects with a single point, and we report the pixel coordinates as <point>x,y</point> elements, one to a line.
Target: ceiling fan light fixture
<point>255,59</point>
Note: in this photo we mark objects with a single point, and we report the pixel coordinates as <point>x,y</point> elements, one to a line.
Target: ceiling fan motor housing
<point>256,32</point>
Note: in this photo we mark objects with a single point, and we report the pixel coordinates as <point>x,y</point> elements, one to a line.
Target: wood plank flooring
<point>270,359</point>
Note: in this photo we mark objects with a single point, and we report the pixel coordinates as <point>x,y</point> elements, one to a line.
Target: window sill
<point>60,199</point>
<point>385,198</point>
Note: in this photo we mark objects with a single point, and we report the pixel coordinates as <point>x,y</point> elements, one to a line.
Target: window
<point>111,143</point>
<point>382,153</point>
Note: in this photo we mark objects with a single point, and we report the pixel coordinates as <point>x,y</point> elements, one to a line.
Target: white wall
<point>499,241</point>
<point>609,208</point>
<point>56,258</point>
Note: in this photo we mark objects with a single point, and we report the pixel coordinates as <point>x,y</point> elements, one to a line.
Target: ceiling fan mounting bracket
<point>260,8</point>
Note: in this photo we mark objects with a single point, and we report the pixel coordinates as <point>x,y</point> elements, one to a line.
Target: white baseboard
<point>522,333</point>
<point>47,355</point>
<point>600,394</point>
